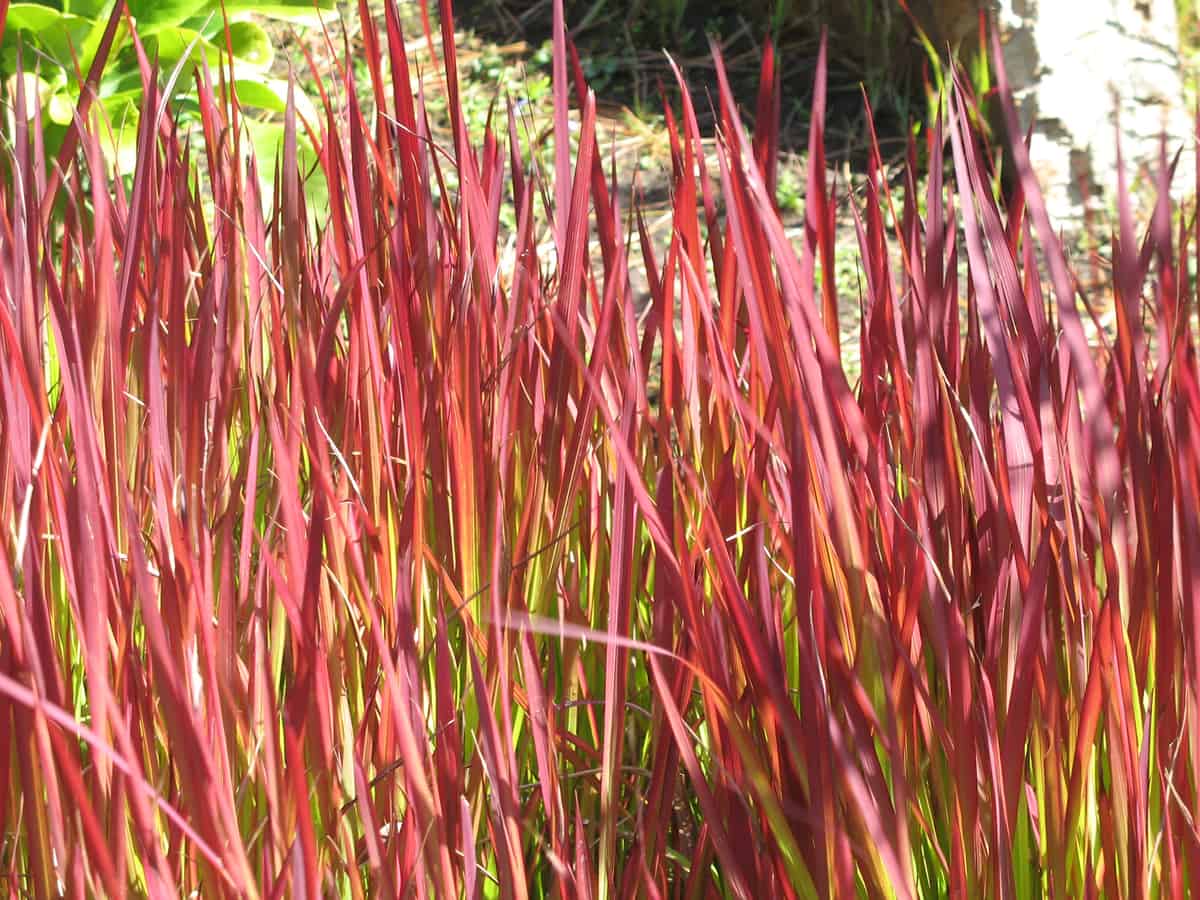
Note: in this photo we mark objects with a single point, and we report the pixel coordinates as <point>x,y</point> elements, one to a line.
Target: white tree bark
<point>1081,66</point>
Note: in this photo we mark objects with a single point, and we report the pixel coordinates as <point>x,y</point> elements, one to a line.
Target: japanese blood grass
<point>361,563</point>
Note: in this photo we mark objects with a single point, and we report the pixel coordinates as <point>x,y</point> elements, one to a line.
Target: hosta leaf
<point>171,43</point>
<point>34,87</point>
<point>53,31</point>
<point>267,141</point>
<point>251,46</point>
<point>294,11</point>
<point>89,9</point>
<point>69,33</point>
<point>120,143</point>
<point>271,94</point>
<point>151,15</point>
<point>65,36</point>
<point>119,104</point>
<point>95,36</point>
<point>61,108</point>
<point>250,43</point>
<point>29,17</point>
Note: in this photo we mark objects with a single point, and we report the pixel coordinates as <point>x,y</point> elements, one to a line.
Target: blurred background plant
<point>54,44</point>
<point>1188,12</point>
<point>873,46</point>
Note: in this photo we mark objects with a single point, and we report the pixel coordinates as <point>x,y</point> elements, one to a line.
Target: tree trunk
<point>1084,72</point>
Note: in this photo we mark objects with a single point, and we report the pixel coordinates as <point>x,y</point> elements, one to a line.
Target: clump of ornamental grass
<point>347,551</point>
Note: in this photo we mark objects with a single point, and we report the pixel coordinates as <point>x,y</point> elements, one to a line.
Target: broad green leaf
<point>95,36</point>
<point>120,144</point>
<point>271,94</point>
<point>251,47</point>
<point>294,11</point>
<point>61,108</point>
<point>29,17</point>
<point>171,43</point>
<point>266,139</point>
<point>250,43</point>
<point>65,40</point>
<point>65,36</point>
<point>53,32</point>
<point>119,104</point>
<point>151,15</point>
<point>89,9</point>
<point>121,78</point>
<point>37,90</point>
